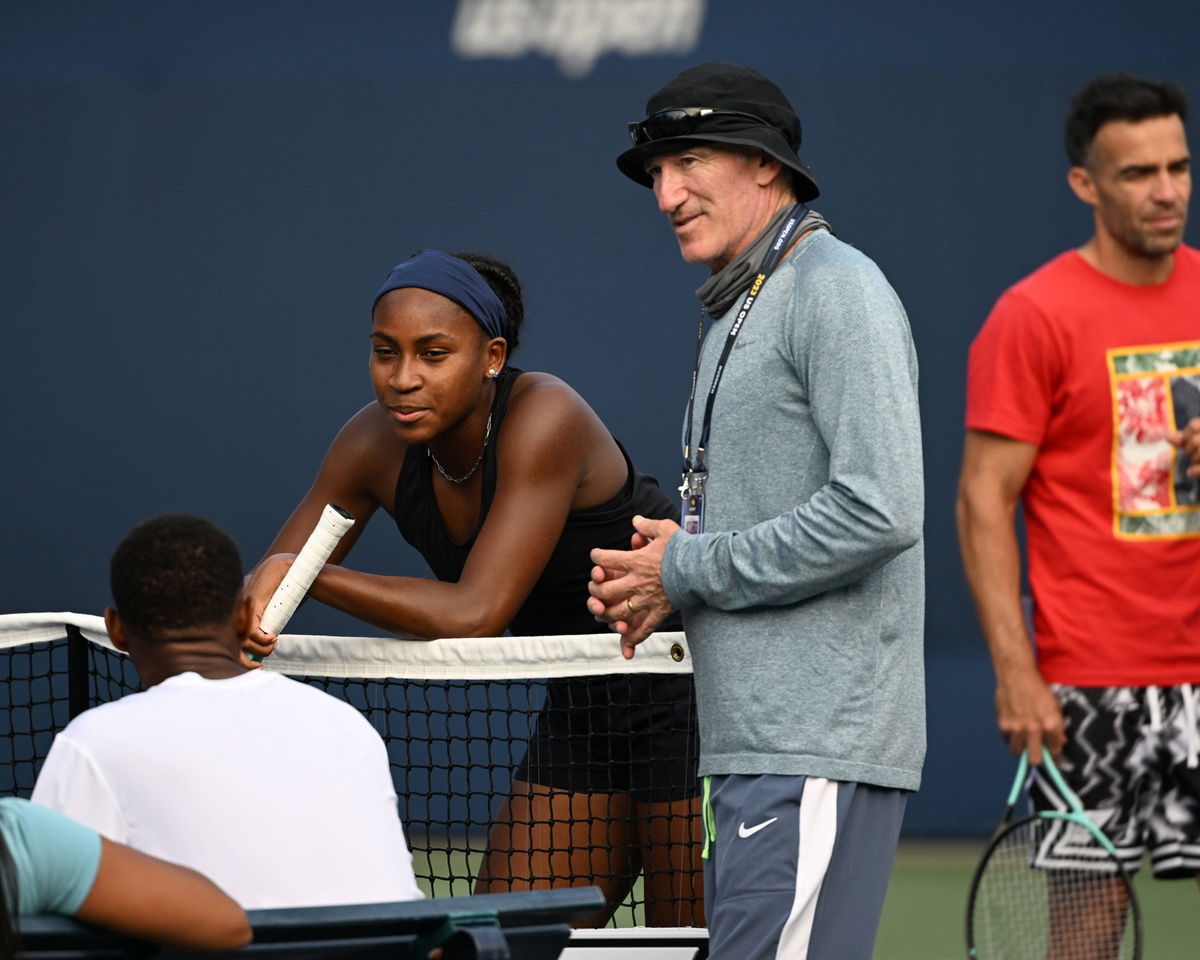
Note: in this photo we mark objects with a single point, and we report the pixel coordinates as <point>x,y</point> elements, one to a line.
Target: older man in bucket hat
<point>799,567</point>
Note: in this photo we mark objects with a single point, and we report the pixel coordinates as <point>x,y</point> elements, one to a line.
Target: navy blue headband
<point>454,279</point>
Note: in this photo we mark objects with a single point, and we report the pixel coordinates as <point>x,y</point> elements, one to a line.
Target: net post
<point>77,671</point>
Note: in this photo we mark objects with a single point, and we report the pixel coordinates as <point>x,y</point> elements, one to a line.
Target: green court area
<point>450,873</point>
<point>923,918</point>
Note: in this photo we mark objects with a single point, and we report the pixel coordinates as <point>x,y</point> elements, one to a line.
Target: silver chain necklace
<point>475,466</point>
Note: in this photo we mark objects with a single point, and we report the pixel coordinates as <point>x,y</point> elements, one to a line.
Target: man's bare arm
<point>994,472</point>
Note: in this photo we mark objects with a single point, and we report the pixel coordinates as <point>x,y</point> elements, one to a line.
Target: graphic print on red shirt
<point>1156,389</point>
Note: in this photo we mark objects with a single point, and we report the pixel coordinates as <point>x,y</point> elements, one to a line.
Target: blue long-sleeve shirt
<point>803,598</point>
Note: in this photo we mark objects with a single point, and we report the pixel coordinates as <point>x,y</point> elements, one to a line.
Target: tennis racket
<point>330,528</point>
<point>1050,885</point>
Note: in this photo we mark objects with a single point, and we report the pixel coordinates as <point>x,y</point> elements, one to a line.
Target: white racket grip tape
<point>333,524</point>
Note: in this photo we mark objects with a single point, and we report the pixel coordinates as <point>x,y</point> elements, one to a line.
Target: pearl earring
<point>492,373</point>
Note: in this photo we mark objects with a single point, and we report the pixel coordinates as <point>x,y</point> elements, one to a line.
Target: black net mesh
<point>33,707</point>
<point>503,784</point>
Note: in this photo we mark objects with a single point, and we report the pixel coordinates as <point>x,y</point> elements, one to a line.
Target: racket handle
<point>1019,781</point>
<point>334,522</point>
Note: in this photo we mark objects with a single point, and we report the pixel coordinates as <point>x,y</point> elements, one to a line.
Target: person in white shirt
<point>279,792</point>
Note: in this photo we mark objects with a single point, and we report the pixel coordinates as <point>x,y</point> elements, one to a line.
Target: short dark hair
<point>1118,96</point>
<point>175,572</point>
<point>506,285</point>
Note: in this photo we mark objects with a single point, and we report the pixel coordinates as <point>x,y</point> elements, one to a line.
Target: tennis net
<point>519,761</point>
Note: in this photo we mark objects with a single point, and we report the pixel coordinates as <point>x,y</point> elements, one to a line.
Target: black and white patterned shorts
<point>1133,758</point>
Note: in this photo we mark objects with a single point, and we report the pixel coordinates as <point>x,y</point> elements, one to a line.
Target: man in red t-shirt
<point>1077,386</point>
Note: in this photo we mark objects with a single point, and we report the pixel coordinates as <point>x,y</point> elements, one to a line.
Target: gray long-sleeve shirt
<point>803,598</point>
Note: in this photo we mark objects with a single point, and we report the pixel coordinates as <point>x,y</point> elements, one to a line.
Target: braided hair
<point>507,286</point>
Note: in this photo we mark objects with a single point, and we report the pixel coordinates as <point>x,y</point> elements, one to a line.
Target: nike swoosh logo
<point>745,831</point>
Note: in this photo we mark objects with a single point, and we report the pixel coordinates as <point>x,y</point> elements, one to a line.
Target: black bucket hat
<point>719,103</point>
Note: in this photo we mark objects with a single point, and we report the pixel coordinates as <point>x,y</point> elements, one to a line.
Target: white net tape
<point>468,658</point>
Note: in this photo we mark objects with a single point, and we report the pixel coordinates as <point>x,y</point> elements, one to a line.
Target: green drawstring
<point>710,821</point>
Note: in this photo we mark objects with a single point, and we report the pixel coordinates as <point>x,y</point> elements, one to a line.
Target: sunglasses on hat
<point>679,122</point>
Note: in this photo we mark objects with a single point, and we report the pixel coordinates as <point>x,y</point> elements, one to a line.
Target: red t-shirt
<point>1095,372</point>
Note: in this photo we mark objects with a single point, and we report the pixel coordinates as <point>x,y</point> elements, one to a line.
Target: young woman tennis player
<point>504,481</point>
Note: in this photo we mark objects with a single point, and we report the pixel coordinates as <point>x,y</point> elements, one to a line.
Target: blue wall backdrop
<point>200,196</point>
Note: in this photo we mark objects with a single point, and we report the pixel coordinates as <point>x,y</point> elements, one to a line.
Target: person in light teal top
<point>51,864</point>
<point>54,860</point>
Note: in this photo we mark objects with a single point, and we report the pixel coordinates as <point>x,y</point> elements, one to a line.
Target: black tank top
<point>557,603</point>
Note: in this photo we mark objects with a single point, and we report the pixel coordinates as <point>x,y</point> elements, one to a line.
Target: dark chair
<point>496,926</point>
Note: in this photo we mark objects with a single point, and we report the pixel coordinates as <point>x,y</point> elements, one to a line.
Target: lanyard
<point>770,261</point>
